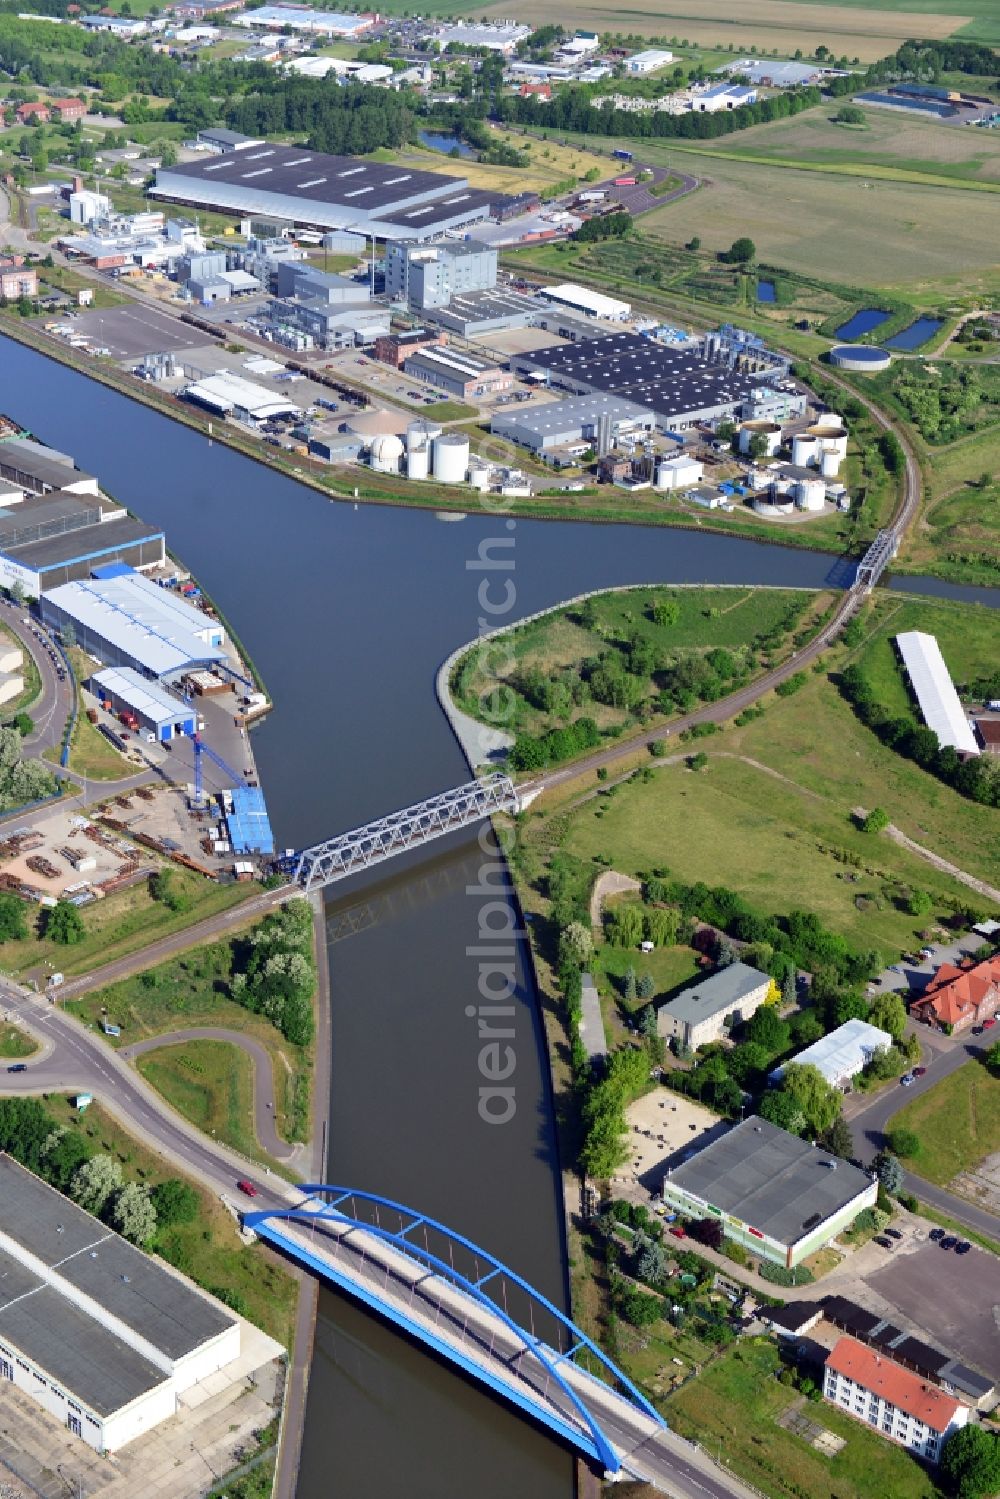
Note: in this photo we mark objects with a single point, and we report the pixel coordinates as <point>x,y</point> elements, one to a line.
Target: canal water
<point>348,613</point>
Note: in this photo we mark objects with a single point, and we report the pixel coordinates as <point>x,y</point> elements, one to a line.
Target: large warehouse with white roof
<point>935,691</point>
<point>131,621</point>
<point>300,186</point>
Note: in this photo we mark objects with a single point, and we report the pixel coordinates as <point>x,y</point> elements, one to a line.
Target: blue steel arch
<point>602,1448</point>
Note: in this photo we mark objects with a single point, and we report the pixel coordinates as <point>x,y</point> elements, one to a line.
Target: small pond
<point>446,143</point>
<point>862,322</point>
<point>766,291</point>
<point>916,334</point>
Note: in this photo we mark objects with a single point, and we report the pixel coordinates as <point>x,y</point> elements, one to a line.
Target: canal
<point>348,613</point>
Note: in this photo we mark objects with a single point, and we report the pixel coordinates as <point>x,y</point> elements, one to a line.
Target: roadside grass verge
<point>957,1122</point>
<point>14,1044</point>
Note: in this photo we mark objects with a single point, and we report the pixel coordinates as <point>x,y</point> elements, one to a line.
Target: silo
<point>805,449</point>
<point>386,451</point>
<point>830,419</point>
<point>664,477</point>
<point>770,431</point>
<point>479,475</point>
<point>834,440</point>
<point>810,494</point>
<point>451,458</point>
<point>423,432</point>
<point>418,460</point>
<point>829,463</point>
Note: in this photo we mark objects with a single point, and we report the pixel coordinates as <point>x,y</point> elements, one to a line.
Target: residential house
<point>900,1405</point>
<point>69,109</point>
<point>32,114</point>
<point>957,998</point>
<point>16,278</point>
<point>701,1014</point>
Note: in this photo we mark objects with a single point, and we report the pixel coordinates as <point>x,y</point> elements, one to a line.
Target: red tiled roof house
<point>899,1404</point>
<point>960,997</point>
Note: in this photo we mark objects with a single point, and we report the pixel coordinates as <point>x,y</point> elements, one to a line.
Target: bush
<point>780,1275</point>
<point>904,1143</point>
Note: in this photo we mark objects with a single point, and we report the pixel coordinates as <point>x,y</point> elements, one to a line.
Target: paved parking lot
<point>955,1299</point>
<point>133,330</point>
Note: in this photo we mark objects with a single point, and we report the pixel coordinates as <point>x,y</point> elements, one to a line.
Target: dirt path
<point>944,865</point>
<point>609,883</point>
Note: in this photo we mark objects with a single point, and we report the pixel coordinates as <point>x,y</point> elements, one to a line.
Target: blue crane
<point>200,749</point>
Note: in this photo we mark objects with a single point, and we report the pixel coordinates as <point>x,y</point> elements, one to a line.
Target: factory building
<point>103,1337</point>
<point>648,61</point>
<point>430,275</point>
<point>681,385</point>
<point>473,314</point>
<point>304,282</point>
<point>122,689</point>
<point>231,395</point>
<point>326,325</point>
<point>32,466</point>
<point>502,37</point>
<point>460,375</point>
<point>723,96</point>
<point>842,1054</point>
<point>581,299</point>
<point>127,620</point>
<point>295,185</point>
<point>935,692</point>
<point>393,348</point>
<point>777,1195</point>
<point>49,539</point>
<point>597,420</point>
<point>302,18</point>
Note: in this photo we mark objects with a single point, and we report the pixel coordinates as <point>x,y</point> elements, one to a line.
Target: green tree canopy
<point>818,1100</point>
<point>888,1012</point>
<point>970,1463</point>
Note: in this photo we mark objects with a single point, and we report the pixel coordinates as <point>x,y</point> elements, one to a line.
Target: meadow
<point>551,163</point>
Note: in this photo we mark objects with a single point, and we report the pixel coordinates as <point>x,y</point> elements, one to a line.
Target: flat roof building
<point>293,184</point>
<point>472,314</point>
<point>704,1012</point>
<point>648,60</point>
<point>549,424</point>
<point>131,621</point>
<point>102,1336</point>
<point>461,375</point>
<point>231,395</point>
<point>159,712</point>
<point>302,18</point>
<point>429,275</point>
<point>842,1054</point>
<point>682,385</point>
<point>52,538</point>
<point>583,299</point>
<point>899,1404</point>
<point>32,466</point>
<point>780,1196</point>
<point>499,37</point>
<point>935,691</point>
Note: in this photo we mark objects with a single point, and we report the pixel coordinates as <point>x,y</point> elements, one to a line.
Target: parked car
<point>883,1242</point>
<point>963,1247</point>
<point>17,1067</point>
<point>949,1241</point>
<point>678,1232</point>
<point>989,1024</point>
<point>906,1079</point>
<point>919,1071</point>
<point>927,952</point>
<point>894,1233</point>
<point>936,1233</point>
<point>977,1030</point>
<point>248,1189</point>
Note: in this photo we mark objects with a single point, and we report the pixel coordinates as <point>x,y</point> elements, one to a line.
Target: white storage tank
<point>805,449</point>
<point>770,431</point>
<point>386,451</point>
<point>834,440</point>
<point>829,419</point>
<point>829,463</point>
<point>451,458</point>
<point>810,494</point>
<point>422,432</point>
<point>479,475</point>
<point>418,460</point>
<point>759,479</point>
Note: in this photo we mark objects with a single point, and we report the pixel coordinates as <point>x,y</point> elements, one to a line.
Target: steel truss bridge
<point>877,558</point>
<point>467,1306</point>
<point>324,863</point>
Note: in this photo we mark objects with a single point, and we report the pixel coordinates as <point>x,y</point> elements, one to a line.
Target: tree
<point>742,251</point>
<point>133,1213</point>
<point>904,1142</point>
<point>647,1022</point>
<point>993,1057</point>
<point>626,925</point>
<point>707,1231</point>
<point>697,761</point>
<point>64,924</point>
<point>666,612</point>
<point>163,887</point>
<point>779,1108</point>
<point>23,723</point>
<point>876,820</point>
<point>94,1182</point>
<point>661,926</point>
<point>631,989</point>
<point>767,1028</point>
<point>818,1100</point>
<point>758,446</point>
<point>645,987</point>
<point>67,634</point>
<point>889,1171</point>
<point>918,903</point>
<point>175,1202</point>
<point>838,1138</point>
<point>575,944</point>
<point>970,1462</point>
<point>13,927</point>
<point>888,1012</point>
<point>850,114</point>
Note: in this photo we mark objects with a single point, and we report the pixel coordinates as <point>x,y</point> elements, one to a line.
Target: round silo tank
<point>810,494</point>
<point>479,475</point>
<point>805,449</point>
<point>829,463</point>
<point>423,432</point>
<point>770,431</point>
<point>829,419</point>
<point>834,440</point>
<point>418,460</point>
<point>451,458</point>
<point>386,451</point>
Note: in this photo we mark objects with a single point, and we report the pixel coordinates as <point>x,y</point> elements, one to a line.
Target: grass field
<point>958,532</point>
<point>866,32</point>
<point>550,163</point>
<point>209,1249</point>
<point>121,924</point>
<point>14,1044</point>
<point>942,235</point>
<point>211,1084</point>
<point>733,1408</point>
<point>958,1122</point>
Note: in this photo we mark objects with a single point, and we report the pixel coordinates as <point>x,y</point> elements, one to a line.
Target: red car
<point>679,1233</point>
<point>248,1188</point>
<point>919,1071</point>
<point>988,1024</point>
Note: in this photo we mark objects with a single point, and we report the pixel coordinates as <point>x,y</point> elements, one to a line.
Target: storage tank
<point>479,475</point>
<point>422,432</point>
<point>418,460</point>
<point>770,431</point>
<point>386,451</point>
<point>805,449</point>
<point>829,463</point>
<point>810,494</point>
<point>451,458</point>
<point>758,479</point>
<point>834,440</point>
<point>829,419</point>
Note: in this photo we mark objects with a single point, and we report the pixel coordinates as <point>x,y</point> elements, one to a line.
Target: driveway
<point>914,977</point>
<point>954,1298</point>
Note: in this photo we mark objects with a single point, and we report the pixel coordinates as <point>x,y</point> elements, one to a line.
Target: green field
<point>211,1084</point>
<point>733,1409</point>
<point>958,1122</point>
<point>14,1044</point>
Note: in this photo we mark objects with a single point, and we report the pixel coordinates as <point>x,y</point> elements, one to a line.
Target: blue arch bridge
<point>481,1316</point>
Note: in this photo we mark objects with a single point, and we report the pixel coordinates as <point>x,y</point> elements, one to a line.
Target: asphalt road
<point>52,707</point>
<point>640,199</point>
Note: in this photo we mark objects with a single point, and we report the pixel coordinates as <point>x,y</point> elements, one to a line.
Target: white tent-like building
<point>842,1054</point>
<point>935,691</point>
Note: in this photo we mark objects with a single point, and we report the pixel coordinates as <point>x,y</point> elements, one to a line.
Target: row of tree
<point>275,973</point>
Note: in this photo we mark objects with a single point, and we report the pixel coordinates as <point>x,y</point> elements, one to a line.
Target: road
<point>52,707</point>
<point>641,198</point>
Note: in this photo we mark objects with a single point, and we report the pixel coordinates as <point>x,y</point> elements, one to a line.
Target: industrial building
<point>648,60</point>
<point>231,395</point>
<point>429,275</point>
<point>392,348</point>
<point>935,691</point>
<point>127,620</point>
<point>247,821</point>
<point>723,96</point>
<point>779,1196</point>
<point>500,37</point>
<point>316,322</point>
<point>49,539</point>
<point>122,689</point>
<point>103,1337</point>
<point>473,314</point>
<point>32,466</point>
<point>302,18</point>
<point>590,303</point>
<point>705,1011</point>
<point>460,375</point>
<point>303,281</point>
<point>295,185</point>
<point>598,419</point>
<point>842,1054</point>
<point>682,385</point>
<point>899,1404</point>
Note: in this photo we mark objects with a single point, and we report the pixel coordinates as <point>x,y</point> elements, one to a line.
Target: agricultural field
<point>890,140</point>
<point>939,235</point>
<point>550,164</point>
<point>854,29</point>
